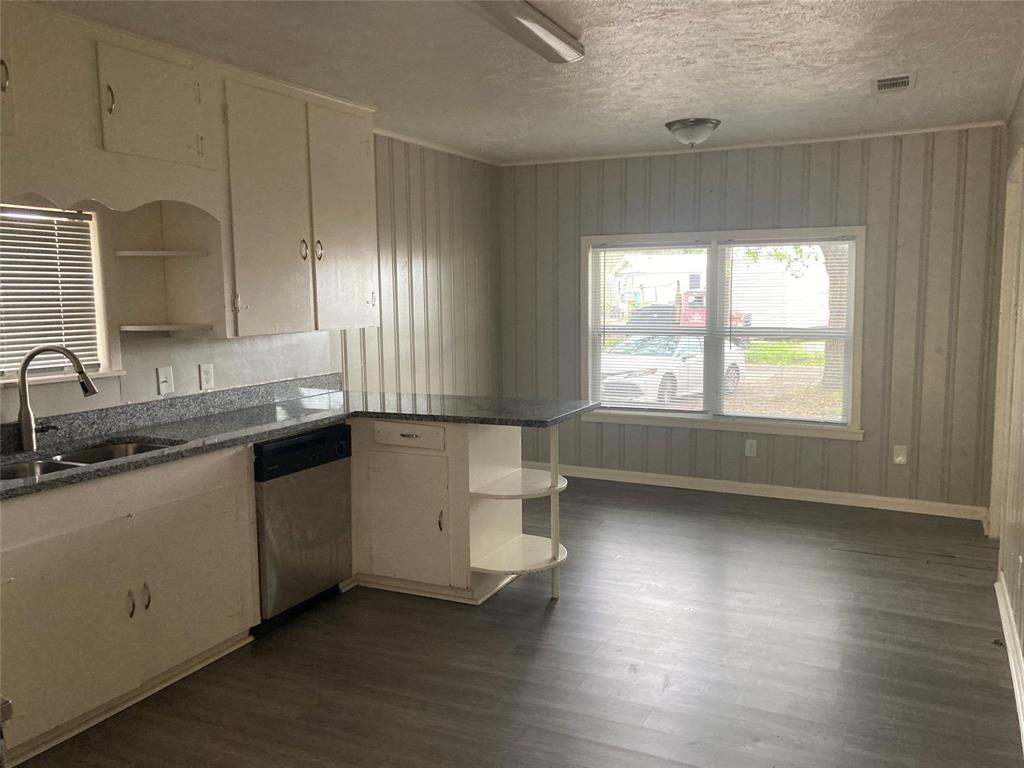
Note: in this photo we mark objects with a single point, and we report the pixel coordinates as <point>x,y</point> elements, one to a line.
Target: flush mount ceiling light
<point>693,130</point>
<point>525,24</point>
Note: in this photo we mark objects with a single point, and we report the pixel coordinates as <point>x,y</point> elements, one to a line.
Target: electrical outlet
<point>206,375</point>
<point>750,448</point>
<point>899,454</point>
<point>165,380</point>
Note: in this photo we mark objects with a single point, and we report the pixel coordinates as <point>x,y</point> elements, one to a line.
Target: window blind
<point>46,287</point>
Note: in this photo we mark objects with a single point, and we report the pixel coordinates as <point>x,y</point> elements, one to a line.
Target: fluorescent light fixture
<point>525,24</point>
<point>693,130</point>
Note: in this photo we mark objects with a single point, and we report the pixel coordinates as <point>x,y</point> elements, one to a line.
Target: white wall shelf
<point>162,254</point>
<point>523,554</point>
<point>520,484</point>
<point>170,328</point>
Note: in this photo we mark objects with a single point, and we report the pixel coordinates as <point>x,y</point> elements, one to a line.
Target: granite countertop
<point>268,421</point>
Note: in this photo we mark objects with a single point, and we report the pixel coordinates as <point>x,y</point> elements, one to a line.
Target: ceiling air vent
<point>892,84</point>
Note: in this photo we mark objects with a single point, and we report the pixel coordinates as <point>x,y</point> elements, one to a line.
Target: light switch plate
<point>206,376</point>
<point>750,448</point>
<point>899,454</point>
<point>165,380</point>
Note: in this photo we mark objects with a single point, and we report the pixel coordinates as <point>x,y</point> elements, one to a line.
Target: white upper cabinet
<point>304,213</point>
<point>150,107</point>
<point>7,83</point>
<point>270,210</point>
<point>344,218</point>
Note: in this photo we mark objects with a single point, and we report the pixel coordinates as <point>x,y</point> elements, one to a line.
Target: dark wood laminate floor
<point>694,629</point>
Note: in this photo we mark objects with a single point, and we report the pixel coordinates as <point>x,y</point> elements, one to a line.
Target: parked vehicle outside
<point>661,369</point>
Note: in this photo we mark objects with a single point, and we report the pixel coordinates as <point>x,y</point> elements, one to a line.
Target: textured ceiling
<point>771,71</point>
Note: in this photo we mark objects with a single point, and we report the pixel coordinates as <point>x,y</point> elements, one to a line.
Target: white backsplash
<point>236,362</point>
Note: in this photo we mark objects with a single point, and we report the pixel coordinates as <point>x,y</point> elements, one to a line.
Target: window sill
<point>56,378</point>
<point>724,424</point>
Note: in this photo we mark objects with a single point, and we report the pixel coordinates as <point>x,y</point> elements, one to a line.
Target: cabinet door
<point>68,642</point>
<point>8,83</point>
<point>149,107</point>
<point>410,536</point>
<point>193,576</point>
<point>270,216</point>
<point>344,218</point>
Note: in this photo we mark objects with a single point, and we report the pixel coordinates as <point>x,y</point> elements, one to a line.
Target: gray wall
<point>437,225</point>
<point>1015,129</point>
<point>930,203</point>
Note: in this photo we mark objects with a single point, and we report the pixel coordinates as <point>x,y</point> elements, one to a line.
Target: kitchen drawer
<point>411,435</point>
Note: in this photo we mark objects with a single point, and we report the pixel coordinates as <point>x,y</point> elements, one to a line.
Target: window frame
<point>102,368</point>
<point>711,239</point>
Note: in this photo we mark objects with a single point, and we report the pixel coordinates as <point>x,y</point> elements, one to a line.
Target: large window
<point>733,325</point>
<point>47,294</point>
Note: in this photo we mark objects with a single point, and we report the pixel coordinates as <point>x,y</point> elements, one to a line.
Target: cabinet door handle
<point>6,76</point>
<point>372,301</point>
<point>113,100</point>
<point>131,604</point>
<point>319,250</point>
<point>147,596</point>
<point>409,435</point>
<point>440,520</point>
<point>303,249</point>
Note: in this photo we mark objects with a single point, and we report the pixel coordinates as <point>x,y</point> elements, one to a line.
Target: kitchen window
<point>748,328</point>
<point>47,291</point>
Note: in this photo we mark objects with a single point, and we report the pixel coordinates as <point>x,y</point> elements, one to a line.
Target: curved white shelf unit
<point>521,484</point>
<point>523,554</point>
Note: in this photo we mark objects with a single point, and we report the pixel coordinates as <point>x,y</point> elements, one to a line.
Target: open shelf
<point>160,254</point>
<point>167,328</point>
<point>523,554</point>
<point>520,484</point>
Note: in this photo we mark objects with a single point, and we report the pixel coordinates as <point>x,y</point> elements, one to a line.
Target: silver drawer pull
<point>113,100</point>
<point>409,435</point>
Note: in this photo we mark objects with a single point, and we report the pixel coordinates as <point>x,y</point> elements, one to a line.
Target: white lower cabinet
<point>410,536</point>
<point>127,594</point>
<point>68,641</point>
<point>193,581</point>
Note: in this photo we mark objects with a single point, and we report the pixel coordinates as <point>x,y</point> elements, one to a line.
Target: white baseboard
<point>1013,648</point>
<point>918,506</point>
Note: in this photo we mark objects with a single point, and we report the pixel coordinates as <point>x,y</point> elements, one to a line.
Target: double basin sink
<point>78,458</point>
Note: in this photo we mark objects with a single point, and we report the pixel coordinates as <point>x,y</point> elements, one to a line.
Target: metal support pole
<point>553,436</point>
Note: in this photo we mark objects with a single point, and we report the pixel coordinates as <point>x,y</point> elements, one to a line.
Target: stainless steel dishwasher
<point>303,516</point>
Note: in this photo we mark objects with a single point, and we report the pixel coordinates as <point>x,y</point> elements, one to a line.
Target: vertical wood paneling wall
<point>437,233</point>
<point>931,206</point>
<point>1008,485</point>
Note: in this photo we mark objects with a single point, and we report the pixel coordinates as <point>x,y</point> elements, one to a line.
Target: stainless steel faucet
<point>25,416</point>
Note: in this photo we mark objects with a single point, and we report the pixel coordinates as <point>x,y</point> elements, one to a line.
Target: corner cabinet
<point>303,209</point>
<point>106,597</point>
<point>437,509</point>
